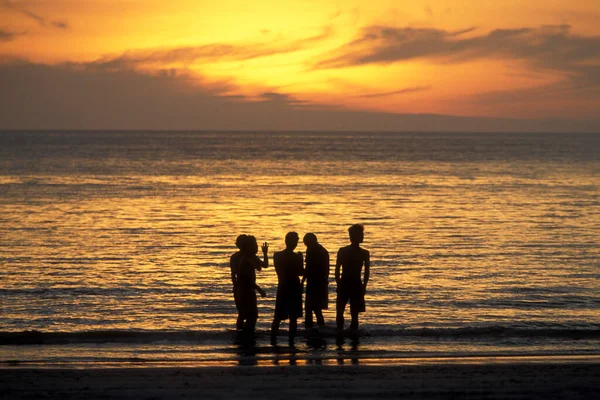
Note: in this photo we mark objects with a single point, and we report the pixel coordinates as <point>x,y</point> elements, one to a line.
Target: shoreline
<point>509,380</point>
<point>291,359</point>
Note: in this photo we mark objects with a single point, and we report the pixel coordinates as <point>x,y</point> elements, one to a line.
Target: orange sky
<point>499,58</point>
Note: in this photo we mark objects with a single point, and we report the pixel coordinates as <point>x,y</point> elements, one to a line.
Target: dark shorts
<point>288,303</point>
<point>351,291</point>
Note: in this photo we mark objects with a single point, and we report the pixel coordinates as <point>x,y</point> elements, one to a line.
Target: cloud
<point>281,99</point>
<point>551,47</point>
<point>82,96</point>
<point>397,92</point>
<point>191,54</point>
<point>42,21</point>
<point>6,36</point>
<point>59,24</point>
<point>581,91</point>
<point>213,52</point>
<point>574,58</point>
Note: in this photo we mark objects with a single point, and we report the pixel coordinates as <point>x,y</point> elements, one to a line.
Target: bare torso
<point>351,259</point>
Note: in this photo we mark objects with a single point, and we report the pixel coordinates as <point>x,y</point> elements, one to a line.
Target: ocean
<point>115,245</point>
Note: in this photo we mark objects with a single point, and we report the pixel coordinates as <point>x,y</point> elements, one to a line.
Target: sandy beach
<point>514,380</point>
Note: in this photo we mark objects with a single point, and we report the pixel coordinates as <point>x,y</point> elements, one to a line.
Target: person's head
<point>239,242</point>
<point>310,240</point>
<point>250,245</point>
<point>291,240</point>
<point>357,233</point>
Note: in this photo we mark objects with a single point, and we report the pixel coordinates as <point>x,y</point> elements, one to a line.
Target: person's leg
<point>355,307</point>
<point>308,318</point>
<point>340,307</point>
<point>252,315</point>
<point>250,323</point>
<point>354,315</point>
<point>320,319</point>
<point>293,329</point>
<point>275,330</point>
<point>239,324</point>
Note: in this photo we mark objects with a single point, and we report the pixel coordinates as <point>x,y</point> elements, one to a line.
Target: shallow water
<point>132,231</point>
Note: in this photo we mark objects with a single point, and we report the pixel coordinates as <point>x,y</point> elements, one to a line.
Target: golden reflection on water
<point>448,248</point>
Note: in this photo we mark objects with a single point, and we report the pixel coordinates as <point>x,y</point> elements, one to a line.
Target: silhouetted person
<point>245,282</point>
<point>350,261</point>
<point>234,263</point>
<point>288,304</point>
<point>316,276</point>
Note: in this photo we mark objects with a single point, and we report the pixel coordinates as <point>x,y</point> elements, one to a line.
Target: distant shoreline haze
<point>42,97</point>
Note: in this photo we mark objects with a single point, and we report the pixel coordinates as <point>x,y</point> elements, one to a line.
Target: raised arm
<point>265,250</point>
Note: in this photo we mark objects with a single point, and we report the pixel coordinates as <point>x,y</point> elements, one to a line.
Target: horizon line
<point>327,131</point>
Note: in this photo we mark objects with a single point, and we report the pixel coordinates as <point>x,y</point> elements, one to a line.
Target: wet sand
<point>431,381</point>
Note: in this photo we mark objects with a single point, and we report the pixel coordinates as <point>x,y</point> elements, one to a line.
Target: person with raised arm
<point>244,269</point>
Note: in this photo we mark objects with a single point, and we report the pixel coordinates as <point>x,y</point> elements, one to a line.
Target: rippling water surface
<point>132,231</point>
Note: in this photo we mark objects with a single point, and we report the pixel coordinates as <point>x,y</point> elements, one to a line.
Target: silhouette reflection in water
<point>315,341</point>
<point>285,358</point>
<point>314,361</point>
<point>246,349</point>
<point>354,355</point>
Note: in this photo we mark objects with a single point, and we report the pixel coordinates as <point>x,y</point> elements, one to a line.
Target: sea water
<point>115,245</point>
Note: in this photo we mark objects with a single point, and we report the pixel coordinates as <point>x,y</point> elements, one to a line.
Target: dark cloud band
<point>6,36</point>
<point>553,46</point>
<point>41,20</point>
